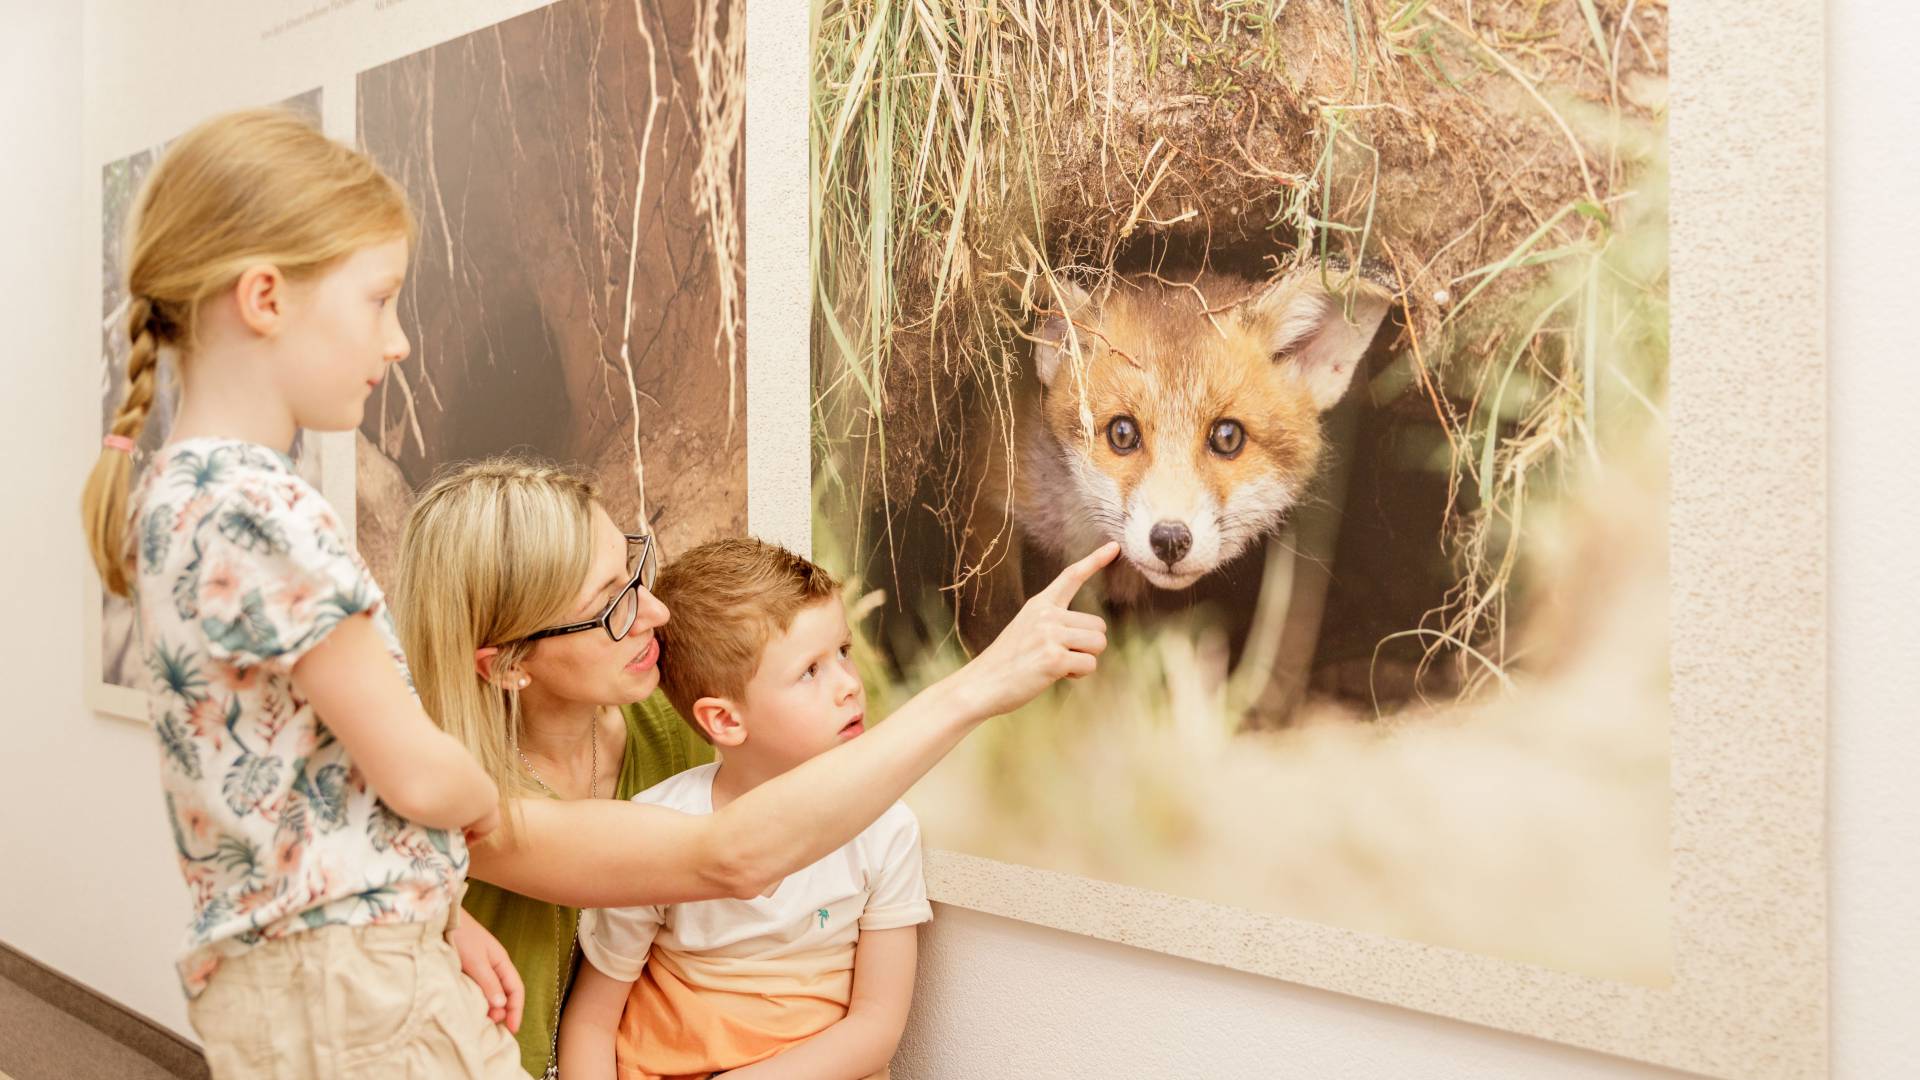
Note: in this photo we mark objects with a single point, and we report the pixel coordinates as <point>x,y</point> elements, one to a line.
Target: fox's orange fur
<point>1182,418</point>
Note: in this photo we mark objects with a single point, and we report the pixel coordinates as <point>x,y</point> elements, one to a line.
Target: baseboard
<point>128,1028</point>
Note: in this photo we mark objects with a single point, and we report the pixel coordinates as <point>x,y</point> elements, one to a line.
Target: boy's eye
<point>809,673</point>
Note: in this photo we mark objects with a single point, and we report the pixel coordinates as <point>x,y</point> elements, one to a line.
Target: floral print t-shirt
<point>242,568</point>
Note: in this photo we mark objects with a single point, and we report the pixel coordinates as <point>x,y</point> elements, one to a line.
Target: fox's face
<point>1187,419</point>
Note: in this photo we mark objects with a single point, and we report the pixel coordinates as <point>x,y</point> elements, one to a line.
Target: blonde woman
<point>527,615</point>
<point>320,818</point>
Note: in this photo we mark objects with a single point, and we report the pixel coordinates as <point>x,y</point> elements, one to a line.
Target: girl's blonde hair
<point>246,188</point>
<point>493,552</point>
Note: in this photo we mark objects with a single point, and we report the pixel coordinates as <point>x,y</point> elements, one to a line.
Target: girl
<point>528,619</point>
<point>321,818</point>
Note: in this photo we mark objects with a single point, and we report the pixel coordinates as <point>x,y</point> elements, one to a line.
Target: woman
<point>525,615</point>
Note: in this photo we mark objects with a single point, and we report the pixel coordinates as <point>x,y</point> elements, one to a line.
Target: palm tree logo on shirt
<point>823,918</point>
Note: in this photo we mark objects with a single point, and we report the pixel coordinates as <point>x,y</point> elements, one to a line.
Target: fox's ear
<point>1056,335</point>
<point>1317,335</point>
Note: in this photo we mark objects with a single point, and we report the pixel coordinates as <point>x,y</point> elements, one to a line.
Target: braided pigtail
<point>104,503</point>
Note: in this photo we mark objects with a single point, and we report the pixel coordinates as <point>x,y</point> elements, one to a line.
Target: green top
<point>538,935</point>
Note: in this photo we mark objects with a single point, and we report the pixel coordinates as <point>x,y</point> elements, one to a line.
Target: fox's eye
<point>1123,434</point>
<point>1227,438</point>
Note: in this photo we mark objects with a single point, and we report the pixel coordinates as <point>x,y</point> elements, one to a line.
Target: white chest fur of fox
<point>1182,419</point>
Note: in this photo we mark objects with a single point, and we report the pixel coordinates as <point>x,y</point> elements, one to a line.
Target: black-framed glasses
<point>619,617</point>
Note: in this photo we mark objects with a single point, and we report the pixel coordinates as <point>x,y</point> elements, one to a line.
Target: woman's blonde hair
<point>493,552</point>
<point>246,188</point>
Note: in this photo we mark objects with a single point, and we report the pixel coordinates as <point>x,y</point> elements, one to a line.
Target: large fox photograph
<point>1347,322</point>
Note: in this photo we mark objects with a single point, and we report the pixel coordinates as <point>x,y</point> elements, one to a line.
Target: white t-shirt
<point>871,883</point>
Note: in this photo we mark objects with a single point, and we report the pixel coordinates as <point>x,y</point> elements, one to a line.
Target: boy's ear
<point>1056,333</point>
<point>1316,334</point>
<point>721,720</point>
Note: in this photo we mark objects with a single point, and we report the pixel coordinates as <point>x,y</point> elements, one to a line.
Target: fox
<point>1187,420</point>
<point>1182,418</point>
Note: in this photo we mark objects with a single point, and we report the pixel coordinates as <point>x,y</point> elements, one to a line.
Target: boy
<point>814,978</point>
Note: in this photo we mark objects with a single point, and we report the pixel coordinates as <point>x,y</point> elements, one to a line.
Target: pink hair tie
<point>118,442</point>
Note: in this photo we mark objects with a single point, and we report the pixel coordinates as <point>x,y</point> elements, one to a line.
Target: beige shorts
<point>351,1002</point>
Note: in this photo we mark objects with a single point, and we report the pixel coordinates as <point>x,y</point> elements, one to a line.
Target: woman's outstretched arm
<point>606,853</point>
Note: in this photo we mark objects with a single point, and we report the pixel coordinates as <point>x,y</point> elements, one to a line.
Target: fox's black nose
<point>1171,541</point>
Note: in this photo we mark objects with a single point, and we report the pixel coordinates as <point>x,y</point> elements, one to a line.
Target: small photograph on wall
<point>577,288</point>
<point>118,680</point>
<point>1349,324</point>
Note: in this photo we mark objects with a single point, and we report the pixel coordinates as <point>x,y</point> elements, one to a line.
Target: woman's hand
<point>1046,642</point>
<point>483,960</point>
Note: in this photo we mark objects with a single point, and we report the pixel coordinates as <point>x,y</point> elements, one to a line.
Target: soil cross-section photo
<point>577,287</point>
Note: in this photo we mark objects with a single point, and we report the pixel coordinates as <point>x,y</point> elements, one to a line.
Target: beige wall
<point>87,881</point>
<point>86,877</point>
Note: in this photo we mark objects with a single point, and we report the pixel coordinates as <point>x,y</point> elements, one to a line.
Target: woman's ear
<point>486,665</point>
<point>721,720</point>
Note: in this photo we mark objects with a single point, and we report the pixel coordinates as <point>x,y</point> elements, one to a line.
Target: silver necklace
<point>593,780</point>
<point>560,966</point>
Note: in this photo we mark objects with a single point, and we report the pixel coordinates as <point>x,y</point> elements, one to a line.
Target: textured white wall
<point>1873,826</point>
<point>1003,999</point>
<point>87,883</point>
